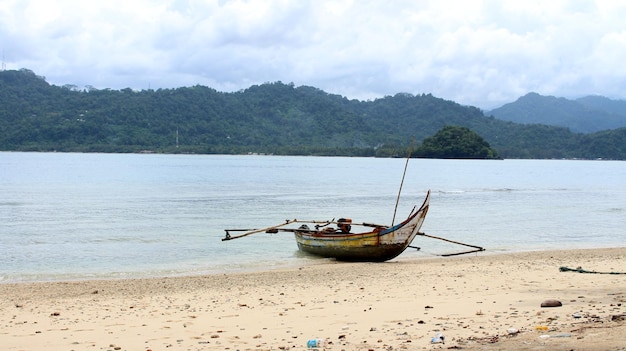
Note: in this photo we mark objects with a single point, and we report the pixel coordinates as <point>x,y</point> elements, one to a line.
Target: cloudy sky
<point>481,53</point>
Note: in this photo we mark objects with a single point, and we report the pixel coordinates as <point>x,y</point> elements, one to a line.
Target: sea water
<point>66,216</point>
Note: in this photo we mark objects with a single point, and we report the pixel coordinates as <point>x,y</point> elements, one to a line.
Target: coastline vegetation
<point>271,118</point>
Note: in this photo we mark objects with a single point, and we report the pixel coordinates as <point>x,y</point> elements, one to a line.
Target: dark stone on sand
<point>618,317</point>
<point>551,303</point>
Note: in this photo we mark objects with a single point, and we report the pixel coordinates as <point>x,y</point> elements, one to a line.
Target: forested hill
<point>269,118</point>
<point>584,115</point>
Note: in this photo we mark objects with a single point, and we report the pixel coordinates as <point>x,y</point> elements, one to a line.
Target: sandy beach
<point>477,302</point>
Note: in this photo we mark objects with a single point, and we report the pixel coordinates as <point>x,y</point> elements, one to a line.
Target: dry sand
<point>400,305</point>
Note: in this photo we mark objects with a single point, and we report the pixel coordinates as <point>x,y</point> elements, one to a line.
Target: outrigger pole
<point>253,231</point>
<point>476,248</point>
<point>274,229</point>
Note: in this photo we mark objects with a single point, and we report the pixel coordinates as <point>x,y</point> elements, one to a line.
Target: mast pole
<point>393,220</point>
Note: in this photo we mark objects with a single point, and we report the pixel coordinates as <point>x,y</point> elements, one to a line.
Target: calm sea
<point>91,216</point>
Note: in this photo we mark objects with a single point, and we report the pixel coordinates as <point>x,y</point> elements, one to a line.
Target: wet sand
<point>478,302</point>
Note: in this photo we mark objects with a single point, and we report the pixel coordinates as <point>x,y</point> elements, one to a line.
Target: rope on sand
<point>580,270</point>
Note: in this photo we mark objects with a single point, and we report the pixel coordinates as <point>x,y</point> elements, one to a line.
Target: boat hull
<point>378,245</point>
<point>361,254</point>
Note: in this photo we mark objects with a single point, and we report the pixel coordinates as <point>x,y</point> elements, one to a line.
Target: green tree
<point>456,142</point>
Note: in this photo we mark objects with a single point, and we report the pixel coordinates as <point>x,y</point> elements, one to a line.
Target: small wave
<point>497,190</point>
<point>450,191</point>
<point>501,190</point>
<point>124,239</point>
<point>483,190</point>
<point>12,203</point>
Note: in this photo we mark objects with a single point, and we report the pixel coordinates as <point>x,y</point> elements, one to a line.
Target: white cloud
<point>482,53</point>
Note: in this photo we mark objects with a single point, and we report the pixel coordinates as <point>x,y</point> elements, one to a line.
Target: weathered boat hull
<point>361,254</point>
<point>380,244</point>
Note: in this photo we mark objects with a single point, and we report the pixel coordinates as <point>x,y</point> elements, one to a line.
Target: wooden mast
<point>402,182</point>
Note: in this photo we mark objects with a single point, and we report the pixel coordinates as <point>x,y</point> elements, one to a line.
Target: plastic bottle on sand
<point>315,343</point>
<point>438,339</point>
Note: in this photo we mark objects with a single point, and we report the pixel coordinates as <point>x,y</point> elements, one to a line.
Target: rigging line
<point>479,248</point>
<point>408,157</point>
<point>580,270</point>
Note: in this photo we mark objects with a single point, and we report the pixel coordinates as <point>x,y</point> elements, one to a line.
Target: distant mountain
<point>584,115</point>
<point>271,118</point>
<point>601,103</point>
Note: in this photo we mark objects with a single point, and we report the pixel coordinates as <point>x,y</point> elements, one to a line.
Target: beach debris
<point>561,335</point>
<point>576,315</point>
<point>618,317</point>
<point>315,343</point>
<point>541,327</point>
<point>512,331</point>
<point>581,270</point>
<point>551,303</point>
<point>488,339</point>
<point>438,339</point>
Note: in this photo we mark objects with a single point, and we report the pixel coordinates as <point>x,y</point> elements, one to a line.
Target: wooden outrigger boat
<point>376,243</point>
<point>382,243</point>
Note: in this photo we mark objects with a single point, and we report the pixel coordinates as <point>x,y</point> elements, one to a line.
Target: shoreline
<point>424,256</point>
<point>475,301</point>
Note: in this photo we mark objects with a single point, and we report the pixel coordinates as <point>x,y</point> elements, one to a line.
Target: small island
<point>456,142</point>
